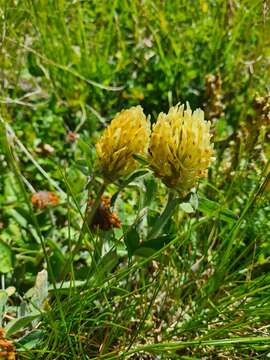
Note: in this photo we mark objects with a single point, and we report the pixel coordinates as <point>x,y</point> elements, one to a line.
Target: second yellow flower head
<point>180,148</point>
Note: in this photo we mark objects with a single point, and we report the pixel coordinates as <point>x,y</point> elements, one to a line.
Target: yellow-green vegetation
<point>132,227</point>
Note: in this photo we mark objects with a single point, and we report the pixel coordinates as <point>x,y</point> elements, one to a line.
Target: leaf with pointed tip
<point>6,258</point>
<point>132,241</point>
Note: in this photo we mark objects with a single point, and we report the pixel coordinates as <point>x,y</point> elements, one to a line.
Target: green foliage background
<point>202,287</point>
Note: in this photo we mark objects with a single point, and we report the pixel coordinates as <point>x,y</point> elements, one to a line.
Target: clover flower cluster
<point>178,148</point>
<point>128,134</point>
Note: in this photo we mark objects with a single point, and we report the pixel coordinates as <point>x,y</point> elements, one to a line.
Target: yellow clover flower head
<point>128,134</point>
<point>180,148</point>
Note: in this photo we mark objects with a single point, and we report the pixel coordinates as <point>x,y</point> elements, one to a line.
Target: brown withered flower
<point>256,129</point>
<point>43,199</point>
<point>7,349</point>
<point>214,106</point>
<point>72,136</point>
<point>104,218</point>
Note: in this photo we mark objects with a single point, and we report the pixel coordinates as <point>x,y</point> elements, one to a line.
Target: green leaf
<point>163,218</point>
<point>132,241</point>
<point>151,189</point>
<point>57,258</point>
<point>148,248</point>
<point>63,287</point>
<point>3,301</point>
<point>40,290</point>
<point>194,201</point>
<point>31,340</point>
<point>18,324</point>
<point>135,175</point>
<point>86,149</point>
<point>127,181</point>
<point>107,263</point>
<point>18,217</point>
<point>141,159</point>
<point>33,67</point>
<point>212,208</point>
<point>6,258</point>
<point>144,251</point>
<point>187,208</point>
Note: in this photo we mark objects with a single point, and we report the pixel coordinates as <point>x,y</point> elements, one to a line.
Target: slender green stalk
<point>87,219</point>
<point>164,347</point>
<point>169,209</point>
<point>90,213</point>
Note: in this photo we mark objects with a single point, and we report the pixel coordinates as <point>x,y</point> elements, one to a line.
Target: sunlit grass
<point>189,283</point>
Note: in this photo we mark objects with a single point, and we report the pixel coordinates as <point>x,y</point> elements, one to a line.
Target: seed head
<point>180,148</point>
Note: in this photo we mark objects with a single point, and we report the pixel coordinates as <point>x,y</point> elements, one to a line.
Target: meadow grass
<point>201,289</point>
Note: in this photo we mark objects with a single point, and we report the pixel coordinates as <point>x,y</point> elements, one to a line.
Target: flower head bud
<point>180,148</point>
<point>43,199</point>
<point>127,135</point>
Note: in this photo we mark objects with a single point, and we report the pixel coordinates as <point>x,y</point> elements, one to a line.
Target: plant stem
<point>90,214</point>
<point>172,202</point>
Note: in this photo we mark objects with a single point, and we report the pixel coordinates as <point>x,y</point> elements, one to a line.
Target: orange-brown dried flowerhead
<point>43,199</point>
<point>180,147</point>
<point>104,218</point>
<point>7,349</point>
<point>127,135</point>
